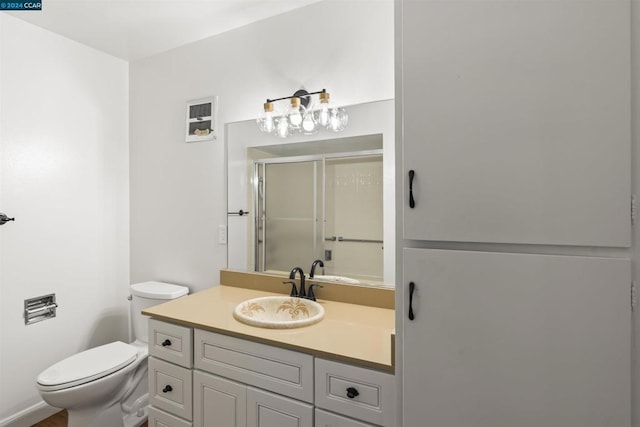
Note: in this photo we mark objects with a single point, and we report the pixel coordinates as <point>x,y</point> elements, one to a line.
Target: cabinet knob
<point>167,389</point>
<point>166,343</point>
<point>352,392</point>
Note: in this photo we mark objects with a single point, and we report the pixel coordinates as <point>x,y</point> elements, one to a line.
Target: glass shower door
<point>288,230</point>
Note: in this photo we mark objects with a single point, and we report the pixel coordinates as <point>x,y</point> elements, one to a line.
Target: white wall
<point>64,176</point>
<point>178,190</point>
<point>635,174</point>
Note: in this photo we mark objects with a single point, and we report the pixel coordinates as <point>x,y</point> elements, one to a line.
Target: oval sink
<point>279,312</point>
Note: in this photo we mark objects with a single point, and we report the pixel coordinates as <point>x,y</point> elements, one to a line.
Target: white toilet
<point>106,386</point>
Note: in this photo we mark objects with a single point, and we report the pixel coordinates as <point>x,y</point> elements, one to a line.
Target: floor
<point>59,420</point>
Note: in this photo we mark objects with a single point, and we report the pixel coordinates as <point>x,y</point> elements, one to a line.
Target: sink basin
<point>279,312</point>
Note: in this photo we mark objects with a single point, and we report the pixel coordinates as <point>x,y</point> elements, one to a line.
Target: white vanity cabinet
<point>242,383</point>
<point>515,121</point>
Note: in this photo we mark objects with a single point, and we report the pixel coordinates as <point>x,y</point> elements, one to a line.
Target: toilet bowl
<point>105,386</point>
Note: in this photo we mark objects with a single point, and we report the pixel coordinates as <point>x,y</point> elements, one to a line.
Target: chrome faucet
<point>313,267</point>
<point>292,276</point>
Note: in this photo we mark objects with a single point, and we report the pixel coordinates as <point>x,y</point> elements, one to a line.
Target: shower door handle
<point>4,219</point>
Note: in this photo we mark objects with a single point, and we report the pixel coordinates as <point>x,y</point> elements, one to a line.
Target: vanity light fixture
<point>300,117</point>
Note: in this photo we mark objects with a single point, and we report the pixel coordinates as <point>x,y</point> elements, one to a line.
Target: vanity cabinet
<point>515,121</point>
<point>241,383</point>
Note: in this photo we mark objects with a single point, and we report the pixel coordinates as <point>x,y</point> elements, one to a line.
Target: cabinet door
<point>158,418</point>
<point>503,340</point>
<point>516,121</point>
<point>328,419</point>
<point>218,401</point>
<point>271,410</point>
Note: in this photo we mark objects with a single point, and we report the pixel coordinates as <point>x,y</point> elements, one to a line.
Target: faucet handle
<point>294,289</point>
<point>310,294</point>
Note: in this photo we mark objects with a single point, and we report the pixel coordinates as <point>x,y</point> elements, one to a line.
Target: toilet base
<point>111,417</point>
<point>132,420</point>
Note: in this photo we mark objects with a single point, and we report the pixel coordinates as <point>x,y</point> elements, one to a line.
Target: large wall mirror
<point>329,196</point>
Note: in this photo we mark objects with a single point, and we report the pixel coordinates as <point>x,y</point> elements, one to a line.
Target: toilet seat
<point>87,366</point>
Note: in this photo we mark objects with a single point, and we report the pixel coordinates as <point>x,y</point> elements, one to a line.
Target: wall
<point>64,176</point>
<point>635,175</point>
<point>178,190</point>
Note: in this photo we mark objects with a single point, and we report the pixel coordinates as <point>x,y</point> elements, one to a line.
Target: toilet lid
<point>87,366</point>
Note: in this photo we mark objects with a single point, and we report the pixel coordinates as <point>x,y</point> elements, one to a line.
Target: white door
<point>516,121</point>
<point>218,402</point>
<point>271,410</point>
<point>504,340</point>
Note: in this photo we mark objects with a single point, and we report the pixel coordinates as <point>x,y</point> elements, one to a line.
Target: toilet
<point>106,386</point>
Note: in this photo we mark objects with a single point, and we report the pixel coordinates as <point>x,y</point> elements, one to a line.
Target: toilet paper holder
<point>39,308</point>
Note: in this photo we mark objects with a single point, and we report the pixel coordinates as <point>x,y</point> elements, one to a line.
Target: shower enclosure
<point>326,207</point>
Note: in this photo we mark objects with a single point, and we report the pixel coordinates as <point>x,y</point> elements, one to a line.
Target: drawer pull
<point>352,392</point>
<point>167,389</point>
<point>166,343</point>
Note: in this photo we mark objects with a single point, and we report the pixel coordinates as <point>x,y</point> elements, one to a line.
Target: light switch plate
<point>222,234</point>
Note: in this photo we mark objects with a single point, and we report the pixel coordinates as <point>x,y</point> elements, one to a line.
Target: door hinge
<point>633,209</point>
<point>633,295</point>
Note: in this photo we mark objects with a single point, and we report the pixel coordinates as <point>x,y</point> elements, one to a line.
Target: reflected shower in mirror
<point>321,197</point>
<point>326,207</point>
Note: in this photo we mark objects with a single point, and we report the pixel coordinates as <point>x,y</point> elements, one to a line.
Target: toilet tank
<point>148,294</point>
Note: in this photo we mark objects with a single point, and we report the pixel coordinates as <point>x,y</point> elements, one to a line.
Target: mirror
<point>329,196</point>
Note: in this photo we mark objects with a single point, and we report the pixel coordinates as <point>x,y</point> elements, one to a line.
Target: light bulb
<point>266,120</point>
<point>283,130</point>
<point>338,119</point>
<point>295,114</point>
<point>309,125</point>
<point>322,110</point>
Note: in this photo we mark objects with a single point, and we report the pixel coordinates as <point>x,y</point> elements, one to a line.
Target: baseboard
<point>29,416</point>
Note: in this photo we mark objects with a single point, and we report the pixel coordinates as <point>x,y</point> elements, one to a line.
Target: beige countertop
<point>352,333</point>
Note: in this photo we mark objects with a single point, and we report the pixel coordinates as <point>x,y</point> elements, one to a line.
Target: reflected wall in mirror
<point>328,197</point>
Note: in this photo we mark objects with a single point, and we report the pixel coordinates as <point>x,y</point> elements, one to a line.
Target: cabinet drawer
<point>170,388</point>
<point>171,342</point>
<point>357,392</point>
<point>327,419</point>
<point>281,371</point>
<point>158,418</point>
